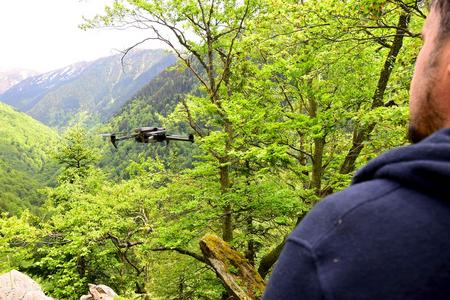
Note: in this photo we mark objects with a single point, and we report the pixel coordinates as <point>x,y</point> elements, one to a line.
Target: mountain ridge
<point>93,90</point>
<point>11,77</point>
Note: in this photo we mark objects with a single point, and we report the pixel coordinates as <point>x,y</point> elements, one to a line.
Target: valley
<point>25,164</point>
<point>37,108</point>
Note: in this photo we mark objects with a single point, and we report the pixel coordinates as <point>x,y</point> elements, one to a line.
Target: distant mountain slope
<point>24,150</point>
<point>93,91</point>
<point>30,91</point>
<point>157,98</point>
<point>9,78</point>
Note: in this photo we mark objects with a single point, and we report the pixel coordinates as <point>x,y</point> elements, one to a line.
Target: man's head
<point>430,87</point>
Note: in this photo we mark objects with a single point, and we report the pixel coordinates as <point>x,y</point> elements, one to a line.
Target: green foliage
<point>16,234</point>
<point>150,107</point>
<point>75,154</point>
<point>288,100</point>
<point>25,165</point>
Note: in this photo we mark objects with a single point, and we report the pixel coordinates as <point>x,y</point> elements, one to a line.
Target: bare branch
<point>123,244</point>
<point>227,66</point>
<point>298,150</point>
<point>126,51</point>
<point>194,255</point>
<point>192,123</point>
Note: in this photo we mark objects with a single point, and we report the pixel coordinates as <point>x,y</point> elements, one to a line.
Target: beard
<point>428,119</point>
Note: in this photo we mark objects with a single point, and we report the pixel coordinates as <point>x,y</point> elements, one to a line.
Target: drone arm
<point>125,137</point>
<point>115,139</point>
<point>189,138</point>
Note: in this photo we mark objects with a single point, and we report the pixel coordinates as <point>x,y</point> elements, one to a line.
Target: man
<point>388,235</point>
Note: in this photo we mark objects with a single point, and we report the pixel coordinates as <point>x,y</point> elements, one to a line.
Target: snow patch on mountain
<point>61,75</point>
<point>27,92</point>
<point>100,87</point>
<point>9,78</point>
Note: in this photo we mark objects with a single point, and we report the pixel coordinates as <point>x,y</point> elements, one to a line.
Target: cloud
<point>44,35</point>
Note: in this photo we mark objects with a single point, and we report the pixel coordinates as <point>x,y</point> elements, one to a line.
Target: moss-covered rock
<point>237,274</point>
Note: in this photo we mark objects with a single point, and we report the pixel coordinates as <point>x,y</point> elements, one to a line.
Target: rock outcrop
<point>99,292</point>
<point>15,285</point>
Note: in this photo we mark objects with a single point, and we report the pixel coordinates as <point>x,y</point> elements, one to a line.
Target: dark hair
<point>443,8</point>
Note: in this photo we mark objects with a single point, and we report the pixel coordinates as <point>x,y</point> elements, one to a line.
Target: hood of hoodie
<point>424,166</point>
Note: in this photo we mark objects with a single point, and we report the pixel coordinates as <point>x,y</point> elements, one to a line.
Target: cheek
<point>421,64</point>
<point>417,86</point>
<point>421,77</point>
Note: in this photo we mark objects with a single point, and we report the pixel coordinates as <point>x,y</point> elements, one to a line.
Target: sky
<point>43,35</point>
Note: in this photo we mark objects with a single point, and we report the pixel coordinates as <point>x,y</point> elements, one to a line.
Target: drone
<point>148,135</point>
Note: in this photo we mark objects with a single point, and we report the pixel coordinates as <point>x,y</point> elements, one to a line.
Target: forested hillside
<point>150,107</point>
<point>24,160</point>
<point>286,100</point>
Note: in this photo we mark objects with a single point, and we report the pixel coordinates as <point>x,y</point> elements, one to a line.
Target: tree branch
<point>194,255</point>
<point>362,134</point>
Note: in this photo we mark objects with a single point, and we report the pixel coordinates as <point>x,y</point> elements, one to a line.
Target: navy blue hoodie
<point>387,236</point>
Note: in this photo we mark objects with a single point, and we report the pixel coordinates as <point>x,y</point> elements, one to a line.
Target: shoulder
<point>331,211</point>
<point>375,231</point>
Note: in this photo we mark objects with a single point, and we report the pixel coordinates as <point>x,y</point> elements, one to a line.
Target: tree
<point>282,119</point>
<point>281,115</point>
<point>205,34</point>
<point>75,154</point>
<point>312,69</point>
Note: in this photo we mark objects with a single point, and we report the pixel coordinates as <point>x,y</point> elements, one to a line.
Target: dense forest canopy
<point>24,165</point>
<point>287,100</point>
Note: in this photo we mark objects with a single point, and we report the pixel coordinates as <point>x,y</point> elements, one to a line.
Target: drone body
<point>149,135</point>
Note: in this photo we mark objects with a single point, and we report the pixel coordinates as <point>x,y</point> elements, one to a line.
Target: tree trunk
<point>240,278</point>
<point>269,260</point>
<point>251,247</point>
<point>316,176</point>
<point>227,221</point>
<point>360,135</point>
